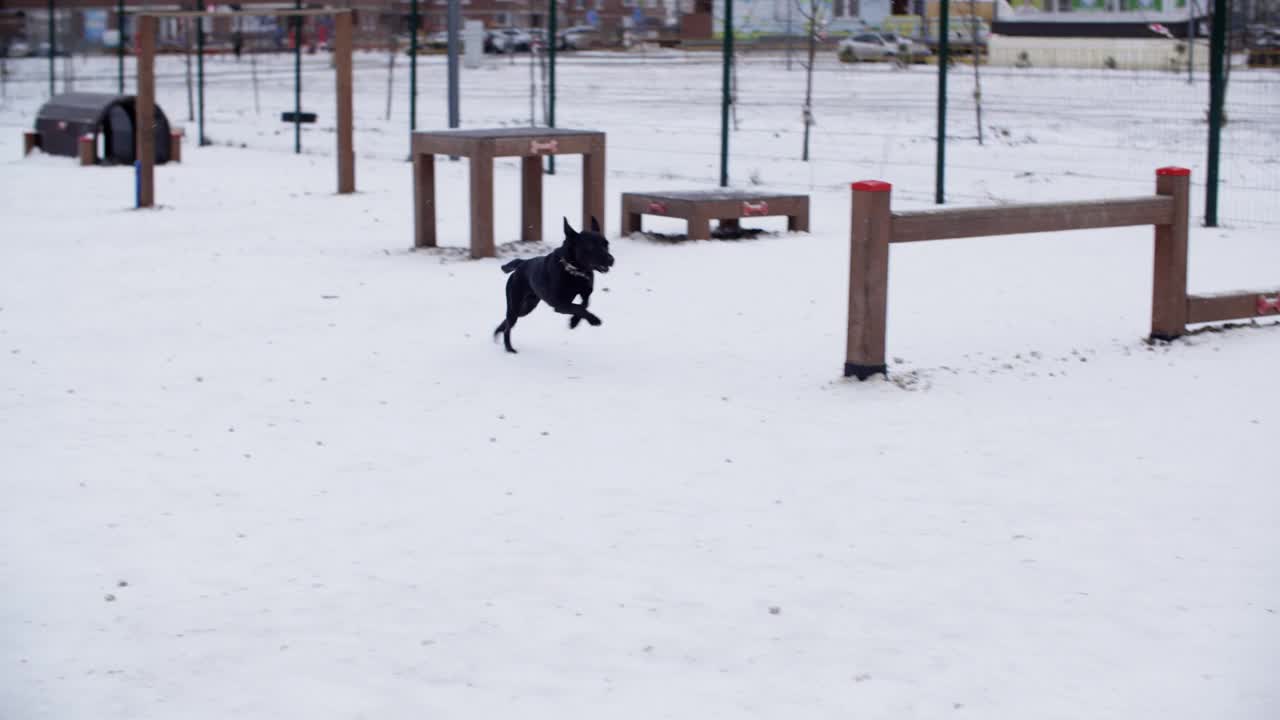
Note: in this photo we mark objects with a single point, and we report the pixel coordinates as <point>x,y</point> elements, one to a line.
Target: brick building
<point>89,25</point>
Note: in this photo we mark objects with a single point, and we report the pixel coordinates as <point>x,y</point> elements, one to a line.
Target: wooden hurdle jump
<point>875,227</point>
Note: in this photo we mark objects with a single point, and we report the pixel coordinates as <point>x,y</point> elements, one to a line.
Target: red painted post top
<point>871,186</point>
<point>1175,171</point>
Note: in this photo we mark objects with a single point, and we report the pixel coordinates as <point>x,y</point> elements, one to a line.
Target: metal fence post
<point>551,79</point>
<point>1217,96</point>
<point>944,33</point>
<point>53,44</point>
<point>120,47</point>
<point>201,140</point>
<point>724,93</point>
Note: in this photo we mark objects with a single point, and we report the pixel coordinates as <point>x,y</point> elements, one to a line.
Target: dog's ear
<point>569,232</point>
<point>595,225</point>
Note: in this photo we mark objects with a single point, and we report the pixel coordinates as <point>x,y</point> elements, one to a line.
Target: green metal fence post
<point>53,43</point>
<point>1217,97</point>
<point>297,79</point>
<point>944,32</point>
<point>413,65</point>
<point>551,79</point>
<point>120,47</point>
<point>725,81</point>
<point>201,140</point>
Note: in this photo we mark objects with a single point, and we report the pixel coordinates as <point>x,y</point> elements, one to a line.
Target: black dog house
<point>108,118</point>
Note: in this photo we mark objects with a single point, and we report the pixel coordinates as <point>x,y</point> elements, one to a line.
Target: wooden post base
<point>862,372</point>
<point>88,150</point>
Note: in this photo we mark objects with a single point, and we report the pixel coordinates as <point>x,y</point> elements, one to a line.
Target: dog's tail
<point>511,266</point>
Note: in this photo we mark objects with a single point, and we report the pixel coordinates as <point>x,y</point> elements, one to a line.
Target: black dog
<point>556,278</point>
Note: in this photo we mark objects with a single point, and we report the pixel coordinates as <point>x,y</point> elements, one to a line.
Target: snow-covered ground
<point>259,460</point>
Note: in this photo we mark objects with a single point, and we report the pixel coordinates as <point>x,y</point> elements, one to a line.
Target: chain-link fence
<point>1075,123</point>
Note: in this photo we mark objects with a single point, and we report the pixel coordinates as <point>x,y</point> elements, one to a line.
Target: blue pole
<point>137,184</point>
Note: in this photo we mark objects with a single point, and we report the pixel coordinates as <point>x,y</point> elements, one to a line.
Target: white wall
<point>1128,53</point>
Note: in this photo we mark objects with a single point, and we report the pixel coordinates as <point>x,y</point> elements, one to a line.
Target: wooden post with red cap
<point>868,279</point>
<point>145,112</point>
<point>1169,283</point>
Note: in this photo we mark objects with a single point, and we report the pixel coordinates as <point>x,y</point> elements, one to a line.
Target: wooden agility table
<point>700,207</point>
<point>482,146</point>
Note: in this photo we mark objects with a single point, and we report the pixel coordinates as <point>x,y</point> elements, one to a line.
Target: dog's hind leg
<point>520,302</point>
<point>527,304</point>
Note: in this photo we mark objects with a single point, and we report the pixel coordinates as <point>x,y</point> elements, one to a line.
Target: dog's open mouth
<point>602,268</point>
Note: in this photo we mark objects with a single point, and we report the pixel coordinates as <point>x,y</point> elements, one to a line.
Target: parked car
<point>908,49</point>
<point>580,37</point>
<point>494,41</point>
<point>43,50</point>
<point>19,48</point>
<point>517,40</point>
<point>438,40</point>
<point>881,46</point>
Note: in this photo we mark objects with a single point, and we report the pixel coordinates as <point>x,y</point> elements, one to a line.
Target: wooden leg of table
<point>482,206</point>
<point>424,196</point>
<point>630,223</point>
<point>593,187</point>
<point>799,222</point>
<point>531,198</point>
<point>699,227</point>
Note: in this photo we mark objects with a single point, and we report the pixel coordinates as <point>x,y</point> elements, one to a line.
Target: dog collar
<point>572,269</point>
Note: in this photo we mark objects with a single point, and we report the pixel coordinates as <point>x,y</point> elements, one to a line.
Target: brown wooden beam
<point>87,148</point>
<point>482,204</point>
<point>342,71</point>
<point>1233,306</point>
<point>145,112</point>
<point>531,198</point>
<point>1030,218</point>
<point>593,180</point>
<point>424,200</point>
<point>1169,279</point>
<point>868,280</point>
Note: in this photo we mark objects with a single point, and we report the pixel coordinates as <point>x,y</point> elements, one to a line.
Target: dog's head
<point>588,249</point>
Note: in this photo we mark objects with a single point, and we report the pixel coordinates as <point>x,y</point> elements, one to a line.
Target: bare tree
<point>253,73</point>
<point>975,51</point>
<point>188,27</point>
<point>813,24</point>
<point>391,72</point>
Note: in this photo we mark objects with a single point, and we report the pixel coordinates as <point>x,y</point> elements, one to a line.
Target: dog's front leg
<point>577,311</point>
<point>586,300</point>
